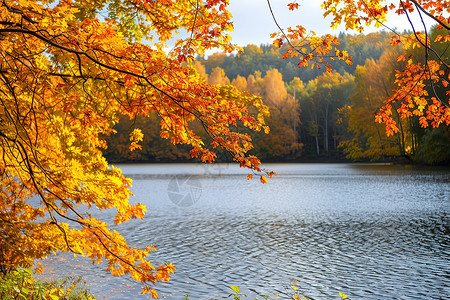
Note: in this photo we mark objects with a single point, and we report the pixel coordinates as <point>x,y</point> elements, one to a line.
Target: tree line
<point>314,114</point>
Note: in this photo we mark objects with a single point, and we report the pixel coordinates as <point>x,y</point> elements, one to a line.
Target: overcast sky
<point>253,22</point>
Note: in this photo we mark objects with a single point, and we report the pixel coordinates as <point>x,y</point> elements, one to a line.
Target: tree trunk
<point>317,144</point>
<point>325,132</point>
<point>317,135</point>
<point>401,137</point>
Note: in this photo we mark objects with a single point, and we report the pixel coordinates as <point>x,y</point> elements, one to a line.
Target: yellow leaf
<point>278,43</point>
<point>263,179</point>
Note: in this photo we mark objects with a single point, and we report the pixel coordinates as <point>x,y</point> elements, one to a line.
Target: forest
<point>315,115</point>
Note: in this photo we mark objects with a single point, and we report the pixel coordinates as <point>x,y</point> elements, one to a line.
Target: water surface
<point>370,231</point>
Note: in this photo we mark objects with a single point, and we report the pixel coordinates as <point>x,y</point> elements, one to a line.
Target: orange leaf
<point>249,176</point>
<point>293,6</point>
<point>263,179</point>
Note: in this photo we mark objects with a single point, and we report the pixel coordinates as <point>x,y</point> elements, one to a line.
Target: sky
<point>253,22</point>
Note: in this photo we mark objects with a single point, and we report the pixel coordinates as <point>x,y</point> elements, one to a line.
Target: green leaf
<point>24,290</point>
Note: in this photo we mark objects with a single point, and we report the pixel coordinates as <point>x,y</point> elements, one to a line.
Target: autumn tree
<point>412,97</point>
<point>240,83</point>
<point>373,85</point>
<point>375,82</point>
<point>218,76</point>
<point>274,90</point>
<point>282,142</point>
<point>255,83</point>
<point>65,76</point>
<point>201,70</point>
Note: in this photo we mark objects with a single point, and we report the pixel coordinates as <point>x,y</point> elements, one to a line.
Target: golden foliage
<point>64,78</point>
<point>416,83</point>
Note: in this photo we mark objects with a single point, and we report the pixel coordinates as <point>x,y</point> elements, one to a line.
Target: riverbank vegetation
<point>20,284</point>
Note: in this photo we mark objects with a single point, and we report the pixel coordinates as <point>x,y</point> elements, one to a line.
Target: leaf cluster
<point>65,76</point>
<point>20,284</point>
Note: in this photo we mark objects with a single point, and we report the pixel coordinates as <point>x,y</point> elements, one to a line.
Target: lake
<point>370,231</point>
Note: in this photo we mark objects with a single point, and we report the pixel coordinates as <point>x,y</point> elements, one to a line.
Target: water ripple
<point>371,232</point>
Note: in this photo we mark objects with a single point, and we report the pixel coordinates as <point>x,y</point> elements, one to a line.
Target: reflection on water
<point>370,231</point>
